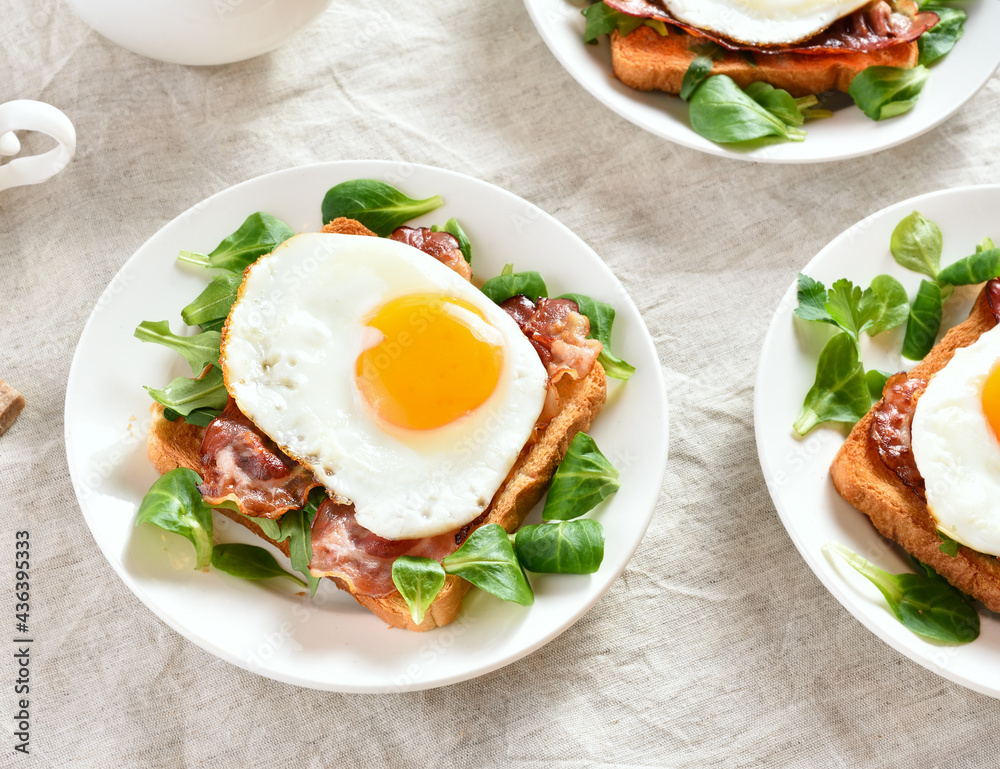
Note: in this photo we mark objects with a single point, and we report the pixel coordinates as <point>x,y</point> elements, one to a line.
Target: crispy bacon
<point>893,415</point>
<point>344,548</point>
<point>558,332</point>
<point>993,297</point>
<point>443,246</point>
<point>241,464</point>
<point>890,428</point>
<point>876,26</point>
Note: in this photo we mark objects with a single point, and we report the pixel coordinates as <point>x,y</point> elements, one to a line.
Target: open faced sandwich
<point>364,407</point>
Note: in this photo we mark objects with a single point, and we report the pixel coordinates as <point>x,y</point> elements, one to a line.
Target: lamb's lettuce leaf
<point>561,547</point>
<point>174,504</point>
<point>487,560</point>
<point>378,206</point>
<point>418,580</point>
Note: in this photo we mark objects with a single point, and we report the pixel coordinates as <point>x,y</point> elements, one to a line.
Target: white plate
<point>330,642</point>
<point>797,469</point>
<point>954,80</point>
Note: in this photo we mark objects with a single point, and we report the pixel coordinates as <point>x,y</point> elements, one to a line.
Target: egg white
<point>762,22</point>
<point>289,351</point>
<point>955,448</point>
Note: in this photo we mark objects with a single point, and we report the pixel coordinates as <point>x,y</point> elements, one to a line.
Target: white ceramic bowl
<point>199,31</point>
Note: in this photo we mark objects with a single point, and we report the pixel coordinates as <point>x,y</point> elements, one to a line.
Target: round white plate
<point>954,80</point>
<point>797,469</point>
<point>330,642</point>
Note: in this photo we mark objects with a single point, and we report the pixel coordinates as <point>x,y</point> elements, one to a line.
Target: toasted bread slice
<point>861,478</point>
<point>178,444</point>
<point>648,61</point>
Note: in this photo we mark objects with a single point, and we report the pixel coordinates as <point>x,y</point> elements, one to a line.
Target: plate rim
<point>383,167</point>
<point>839,588</point>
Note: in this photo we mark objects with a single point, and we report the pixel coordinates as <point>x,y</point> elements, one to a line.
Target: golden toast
<point>648,61</point>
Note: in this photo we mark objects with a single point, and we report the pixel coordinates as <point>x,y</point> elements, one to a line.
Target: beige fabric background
<point>717,647</point>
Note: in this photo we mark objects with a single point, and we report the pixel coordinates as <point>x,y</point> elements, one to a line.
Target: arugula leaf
<point>916,244</point>
<point>249,562</point>
<point>981,266</point>
<point>453,228</point>
<point>941,38</point>
<point>509,283</point>
<point>418,580</point>
<point>565,547</point>
<point>487,560</point>
<point>925,321</point>
<point>876,379</point>
<point>378,206</point>
<point>603,20</point>
<point>602,317</point>
<point>199,417</point>
<point>270,527</point>
<point>259,234</point>
<point>699,69</point>
<point>722,113</point>
<point>948,546</point>
<point>583,480</point>
<point>925,603</point>
<point>174,504</point>
<point>199,351</point>
<point>890,306</point>
<point>185,395</point>
<point>776,101</point>
<point>296,527</point>
<point>213,325</point>
<point>214,303</point>
<point>840,392</point>
<point>885,92</point>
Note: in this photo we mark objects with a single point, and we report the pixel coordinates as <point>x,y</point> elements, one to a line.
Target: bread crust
<point>178,444</point>
<point>863,480</point>
<point>648,61</point>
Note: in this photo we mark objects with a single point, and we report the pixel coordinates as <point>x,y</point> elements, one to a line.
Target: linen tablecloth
<point>716,647</point>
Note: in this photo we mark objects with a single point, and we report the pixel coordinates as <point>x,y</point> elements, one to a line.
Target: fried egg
<point>399,384</point>
<point>955,443</point>
<point>762,22</point>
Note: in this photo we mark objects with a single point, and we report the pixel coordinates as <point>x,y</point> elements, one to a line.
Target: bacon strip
<point>876,26</point>
<point>343,548</point>
<point>993,297</point>
<point>890,428</point>
<point>893,415</point>
<point>443,246</point>
<point>241,464</point>
<point>558,332</point>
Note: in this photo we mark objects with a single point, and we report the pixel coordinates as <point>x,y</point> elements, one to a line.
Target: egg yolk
<point>991,400</point>
<point>437,361</point>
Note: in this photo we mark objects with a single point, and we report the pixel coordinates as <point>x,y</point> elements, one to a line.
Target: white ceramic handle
<point>27,115</point>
